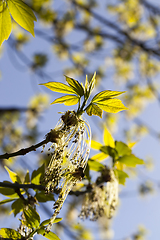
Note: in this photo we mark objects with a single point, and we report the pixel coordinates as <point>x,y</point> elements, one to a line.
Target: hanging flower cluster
<point>69,157</point>
<point>71,143</point>
<point>102,200</point>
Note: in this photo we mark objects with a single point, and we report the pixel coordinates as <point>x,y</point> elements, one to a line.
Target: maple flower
<point>102,200</point>
<point>69,157</point>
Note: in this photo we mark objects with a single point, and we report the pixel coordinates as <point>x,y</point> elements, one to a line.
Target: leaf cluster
<point>20,12</point>
<point>24,202</point>
<point>102,101</point>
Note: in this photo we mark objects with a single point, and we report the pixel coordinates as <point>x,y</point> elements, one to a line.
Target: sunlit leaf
<point>27,178</point>
<point>121,176</point>
<point>42,197</point>
<point>5,22</point>
<point>22,14</point>
<point>93,109</point>
<point>105,95</point>
<point>50,235</point>
<point>37,175</point>
<point>109,151</point>
<point>17,206</point>
<point>91,84</point>
<point>32,218</point>
<point>13,176</point>
<point>122,148</point>
<point>46,222</point>
<point>7,200</point>
<point>8,192</point>
<point>8,233</point>
<point>112,105</point>
<point>94,165</point>
<point>96,145</point>
<point>130,160</point>
<point>99,156</point>
<point>59,87</point>
<point>75,85</point>
<point>68,100</point>
<point>108,139</point>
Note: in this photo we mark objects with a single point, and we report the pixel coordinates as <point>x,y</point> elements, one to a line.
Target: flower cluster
<point>102,200</point>
<point>69,157</point>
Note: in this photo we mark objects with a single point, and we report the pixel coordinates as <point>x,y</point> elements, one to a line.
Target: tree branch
<point>24,186</point>
<point>52,136</point>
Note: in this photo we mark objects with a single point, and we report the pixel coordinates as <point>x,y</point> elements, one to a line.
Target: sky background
<point>18,85</point>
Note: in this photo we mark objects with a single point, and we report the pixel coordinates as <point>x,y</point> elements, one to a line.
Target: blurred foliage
<point>120,41</point>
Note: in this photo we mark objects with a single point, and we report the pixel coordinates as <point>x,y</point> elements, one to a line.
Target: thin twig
<point>24,186</point>
<point>23,151</point>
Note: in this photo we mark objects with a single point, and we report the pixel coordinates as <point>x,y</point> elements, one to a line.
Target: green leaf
<point>13,176</point>
<point>130,160</point>
<point>59,87</point>
<point>47,221</point>
<point>91,84</point>
<point>109,151</point>
<point>42,197</point>
<point>32,218</point>
<point>50,235</point>
<point>96,145</point>
<point>8,192</point>
<point>121,176</point>
<point>9,233</point>
<point>27,178</point>
<point>7,200</point>
<point>105,95</point>
<point>37,175</point>
<point>94,165</point>
<point>17,206</point>
<point>68,100</point>
<point>122,148</point>
<point>22,14</point>
<point>75,85</point>
<point>111,105</point>
<point>108,139</point>
<point>93,109</point>
<point>99,156</point>
<point>5,22</point>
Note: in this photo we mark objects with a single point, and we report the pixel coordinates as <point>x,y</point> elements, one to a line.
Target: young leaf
<point>130,160</point>
<point>49,235</point>
<point>100,156</point>
<point>121,176</point>
<point>96,145</point>
<point>108,139</point>
<point>122,149</point>
<point>94,165</point>
<point>111,105</point>
<point>109,151</point>
<point>46,222</point>
<point>59,87</point>
<point>91,84</point>
<point>93,109</point>
<point>17,206</point>
<point>37,175</point>
<point>32,218</point>
<point>22,14</point>
<point>7,200</point>
<point>75,85</point>
<point>8,233</point>
<point>27,178</point>
<point>13,176</point>
<point>5,22</point>
<point>8,192</point>
<point>42,197</point>
<point>105,95</point>
<point>68,100</point>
